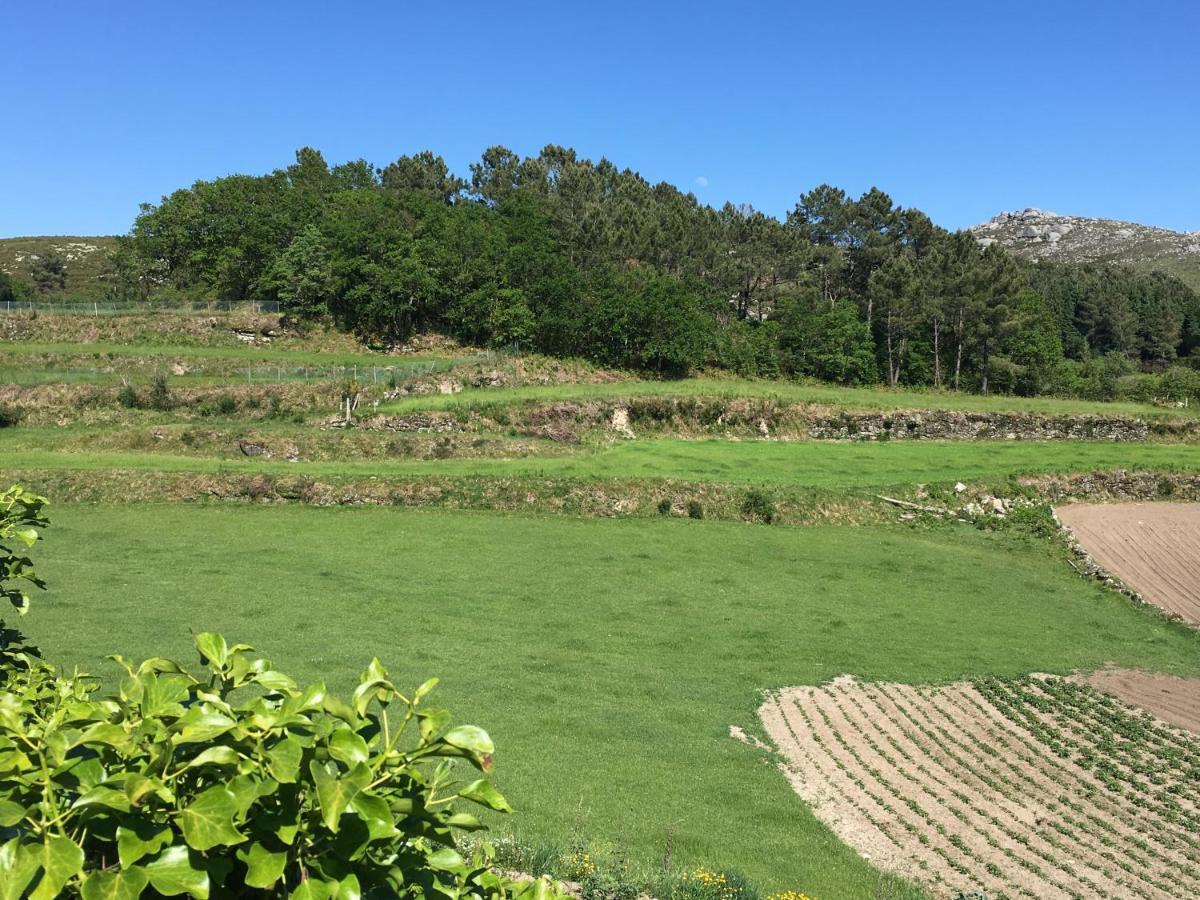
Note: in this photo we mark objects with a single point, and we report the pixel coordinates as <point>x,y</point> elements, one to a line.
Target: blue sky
<point>960,109</point>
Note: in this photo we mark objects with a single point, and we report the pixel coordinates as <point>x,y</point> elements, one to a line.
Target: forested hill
<point>577,258</point>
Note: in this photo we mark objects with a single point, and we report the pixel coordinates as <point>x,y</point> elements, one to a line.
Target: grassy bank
<point>865,466</point>
<point>607,658</point>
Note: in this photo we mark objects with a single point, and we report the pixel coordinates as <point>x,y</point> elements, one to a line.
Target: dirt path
<point>968,786</point>
<point>1152,547</point>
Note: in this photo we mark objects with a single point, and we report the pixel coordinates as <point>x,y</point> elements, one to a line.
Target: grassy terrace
<point>787,392</point>
<point>608,658</point>
<point>250,354</point>
<point>810,464</point>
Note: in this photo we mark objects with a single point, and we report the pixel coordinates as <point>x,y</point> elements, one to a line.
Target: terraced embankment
<point>1035,787</point>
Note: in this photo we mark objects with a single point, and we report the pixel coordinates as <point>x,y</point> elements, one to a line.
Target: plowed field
<point>1036,787</point>
<point>1152,547</point>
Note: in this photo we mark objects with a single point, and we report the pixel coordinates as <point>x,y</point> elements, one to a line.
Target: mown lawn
<point>850,466</point>
<point>608,658</point>
<point>866,398</point>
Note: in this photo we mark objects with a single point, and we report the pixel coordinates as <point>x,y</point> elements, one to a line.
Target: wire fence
<point>117,308</point>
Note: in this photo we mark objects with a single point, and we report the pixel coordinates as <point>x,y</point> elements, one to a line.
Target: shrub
<point>238,781</point>
<point>664,506</point>
<point>10,416</point>
<point>1166,487</point>
<point>128,397</point>
<point>21,521</point>
<point>759,505</point>
<point>695,510</point>
<point>160,393</point>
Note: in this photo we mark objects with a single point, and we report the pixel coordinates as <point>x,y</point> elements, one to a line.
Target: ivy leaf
<point>373,810</point>
<point>208,821</point>
<point>61,859</point>
<point>334,793</point>
<point>140,837</point>
<point>283,760</point>
<point>198,725</point>
<point>18,864</point>
<point>347,746</point>
<point>10,813</point>
<point>445,859</point>
<point>471,738</point>
<point>216,756</point>
<point>484,794</point>
<point>263,868</point>
<point>315,889</point>
<point>177,872</point>
<point>27,536</point>
<point>115,884</point>
<point>212,648</point>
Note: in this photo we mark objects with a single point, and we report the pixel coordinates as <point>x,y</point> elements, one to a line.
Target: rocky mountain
<point>1038,234</point>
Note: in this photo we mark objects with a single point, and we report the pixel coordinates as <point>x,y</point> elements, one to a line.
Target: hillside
<point>87,260</point>
<point>1035,234</point>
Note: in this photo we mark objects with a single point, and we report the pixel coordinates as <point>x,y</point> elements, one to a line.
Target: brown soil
<point>940,785</point>
<point>1167,697</point>
<point>1152,547</point>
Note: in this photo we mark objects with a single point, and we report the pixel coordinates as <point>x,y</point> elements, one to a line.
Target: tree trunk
<point>937,353</point>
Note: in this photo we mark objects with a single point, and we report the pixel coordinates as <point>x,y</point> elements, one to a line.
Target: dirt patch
<point>1167,697</point>
<point>1152,547</point>
<point>1036,787</point>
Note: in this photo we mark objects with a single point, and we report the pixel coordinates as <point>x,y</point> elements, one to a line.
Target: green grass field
<point>872,398</point>
<point>807,464</point>
<point>607,658</point>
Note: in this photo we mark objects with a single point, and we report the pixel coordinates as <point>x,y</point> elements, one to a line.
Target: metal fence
<point>116,308</point>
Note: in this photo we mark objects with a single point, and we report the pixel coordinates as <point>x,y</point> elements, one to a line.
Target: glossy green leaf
<point>213,648</point>
<point>374,811</point>
<point>347,746</point>
<point>178,870</point>
<point>60,859</point>
<point>18,865</point>
<point>208,821</point>
<point>138,838</point>
<point>215,756</point>
<point>199,724</point>
<point>484,794</point>
<point>11,813</point>
<point>283,760</point>
<point>263,867</point>
<point>115,884</point>
<point>470,738</point>
<point>334,793</point>
<point>445,859</point>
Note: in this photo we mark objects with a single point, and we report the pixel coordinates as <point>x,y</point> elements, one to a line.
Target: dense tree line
<point>570,257</point>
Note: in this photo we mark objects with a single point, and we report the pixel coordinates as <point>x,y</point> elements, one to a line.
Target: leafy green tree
<point>831,343</point>
<point>301,277</point>
<point>423,173</point>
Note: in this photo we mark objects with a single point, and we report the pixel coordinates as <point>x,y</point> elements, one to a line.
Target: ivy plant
<point>237,782</point>
<point>21,521</point>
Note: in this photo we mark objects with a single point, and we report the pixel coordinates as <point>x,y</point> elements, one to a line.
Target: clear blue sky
<point>961,109</point>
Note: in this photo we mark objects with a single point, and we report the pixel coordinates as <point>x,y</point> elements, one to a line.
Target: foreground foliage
<point>236,782</point>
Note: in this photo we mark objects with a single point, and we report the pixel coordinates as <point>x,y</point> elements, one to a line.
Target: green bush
<point>128,397</point>
<point>160,393</point>
<point>10,416</point>
<point>664,506</point>
<point>21,521</point>
<point>759,505</point>
<point>695,509</point>
<point>237,782</point>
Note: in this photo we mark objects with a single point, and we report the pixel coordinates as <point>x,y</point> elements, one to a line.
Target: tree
<point>827,342</point>
<point>896,292</point>
<point>301,278</point>
<point>423,173</point>
<point>49,273</point>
